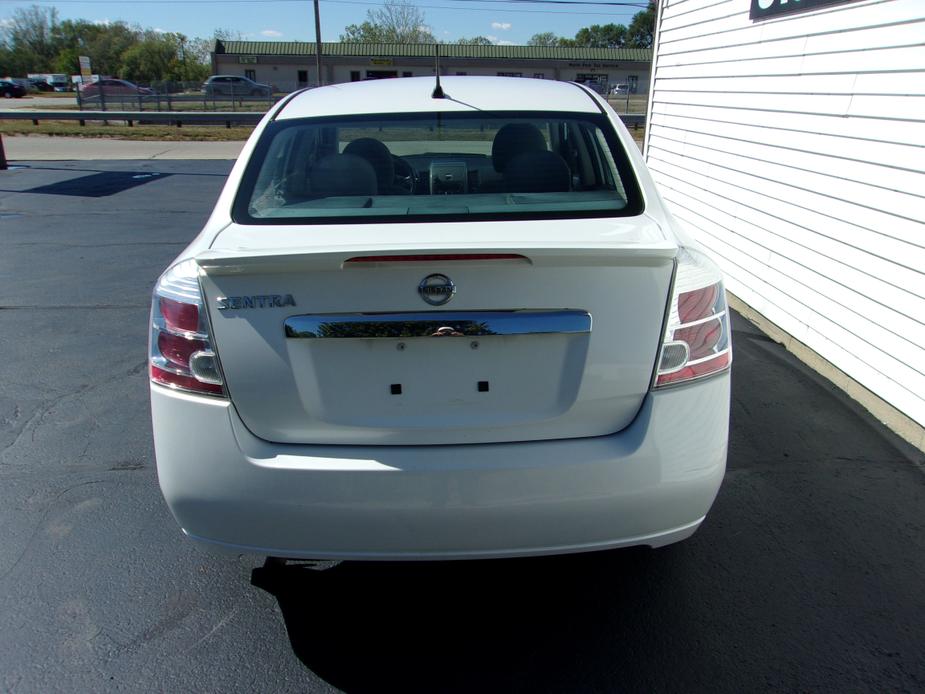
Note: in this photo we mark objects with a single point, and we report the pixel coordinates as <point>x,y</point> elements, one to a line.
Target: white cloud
<point>158,30</point>
<point>493,39</point>
<point>271,33</point>
<point>503,26</point>
<point>506,43</point>
<point>102,22</point>
<point>6,23</point>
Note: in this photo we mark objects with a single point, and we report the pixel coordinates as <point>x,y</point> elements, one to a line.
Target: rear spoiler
<point>231,262</point>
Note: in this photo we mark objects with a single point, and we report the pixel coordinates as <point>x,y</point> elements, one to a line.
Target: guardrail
<point>167,102</point>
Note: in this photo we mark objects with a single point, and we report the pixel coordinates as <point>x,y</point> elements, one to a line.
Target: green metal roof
<point>426,50</point>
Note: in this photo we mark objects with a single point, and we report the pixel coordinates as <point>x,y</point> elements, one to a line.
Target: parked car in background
<point>234,85</point>
<point>421,327</point>
<point>57,81</point>
<point>11,90</point>
<point>24,83</point>
<point>114,87</point>
<point>41,85</point>
<point>620,89</point>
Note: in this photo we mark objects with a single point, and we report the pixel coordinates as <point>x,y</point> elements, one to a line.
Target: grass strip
<point>166,133</point>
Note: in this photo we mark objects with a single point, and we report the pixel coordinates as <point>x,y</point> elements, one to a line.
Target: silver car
<point>234,85</point>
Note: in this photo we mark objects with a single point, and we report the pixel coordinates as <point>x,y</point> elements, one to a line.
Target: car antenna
<point>438,90</point>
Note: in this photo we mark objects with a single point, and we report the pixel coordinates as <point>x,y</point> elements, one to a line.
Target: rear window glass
<point>421,167</point>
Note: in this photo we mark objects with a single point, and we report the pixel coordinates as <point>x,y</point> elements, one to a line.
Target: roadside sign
<point>85,73</point>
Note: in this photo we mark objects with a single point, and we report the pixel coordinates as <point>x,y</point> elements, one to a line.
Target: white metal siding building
<point>793,147</point>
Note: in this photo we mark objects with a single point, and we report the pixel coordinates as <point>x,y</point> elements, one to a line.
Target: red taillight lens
<point>701,338</point>
<point>181,382</point>
<point>697,304</point>
<point>697,340</point>
<point>704,368</point>
<point>178,349</point>
<point>181,354</point>
<point>178,316</point>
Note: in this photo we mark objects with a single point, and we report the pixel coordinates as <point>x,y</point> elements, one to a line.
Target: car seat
<point>342,174</point>
<point>537,172</point>
<point>379,157</point>
<point>513,139</point>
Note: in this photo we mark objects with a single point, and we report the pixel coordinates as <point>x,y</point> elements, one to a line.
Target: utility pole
<point>318,42</point>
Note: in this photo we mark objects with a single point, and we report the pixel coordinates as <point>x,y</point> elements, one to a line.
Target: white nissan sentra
<point>418,327</point>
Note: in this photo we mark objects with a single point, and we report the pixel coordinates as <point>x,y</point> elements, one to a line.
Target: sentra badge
<point>257,301</point>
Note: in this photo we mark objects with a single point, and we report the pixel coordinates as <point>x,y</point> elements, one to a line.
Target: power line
<point>476,9</point>
<point>361,2</point>
<point>599,3</point>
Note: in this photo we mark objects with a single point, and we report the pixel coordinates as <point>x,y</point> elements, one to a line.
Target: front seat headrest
<point>513,139</point>
<point>378,155</point>
<point>537,172</point>
<point>342,174</point>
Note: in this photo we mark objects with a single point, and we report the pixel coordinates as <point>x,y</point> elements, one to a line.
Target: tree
<point>476,41</point>
<point>105,44</point>
<point>638,35</point>
<point>602,36</point>
<point>30,40</point>
<point>547,38</point>
<point>642,28</point>
<point>397,21</point>
<point>148,60</point>
<point>35,41</point>
<point>31,36</point>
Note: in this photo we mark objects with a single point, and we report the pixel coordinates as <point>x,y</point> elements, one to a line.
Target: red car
<point>114,87</point>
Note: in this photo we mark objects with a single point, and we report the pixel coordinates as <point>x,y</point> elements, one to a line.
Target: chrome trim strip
<point>438,324</point>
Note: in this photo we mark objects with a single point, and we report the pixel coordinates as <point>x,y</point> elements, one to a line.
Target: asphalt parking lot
<point>807,575</point>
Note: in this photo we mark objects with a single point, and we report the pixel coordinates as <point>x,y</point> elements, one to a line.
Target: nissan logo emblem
<point>436,289</point>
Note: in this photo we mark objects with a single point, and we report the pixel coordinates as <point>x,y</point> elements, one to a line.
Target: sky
<point>502,21</point>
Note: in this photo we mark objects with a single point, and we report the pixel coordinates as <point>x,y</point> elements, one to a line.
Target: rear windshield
<point>425,167</point>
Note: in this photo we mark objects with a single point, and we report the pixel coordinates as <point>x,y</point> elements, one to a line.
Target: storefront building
<point>291,65</point>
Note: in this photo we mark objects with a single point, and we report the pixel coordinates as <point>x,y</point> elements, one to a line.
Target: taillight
<point>697,341</point>
<point>180,349</point>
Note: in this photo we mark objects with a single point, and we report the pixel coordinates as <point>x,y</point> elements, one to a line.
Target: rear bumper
<point>651,484</point>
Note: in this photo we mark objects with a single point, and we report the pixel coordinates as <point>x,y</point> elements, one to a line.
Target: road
<point>38,103</point>
<point>55,148</point>
<point>807,575</point>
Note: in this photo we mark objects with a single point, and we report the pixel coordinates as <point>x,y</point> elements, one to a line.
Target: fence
<point>105,100</point>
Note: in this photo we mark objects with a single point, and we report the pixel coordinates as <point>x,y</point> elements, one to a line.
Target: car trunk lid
<point>327,337</point>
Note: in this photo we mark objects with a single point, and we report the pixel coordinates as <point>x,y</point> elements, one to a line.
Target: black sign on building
<point>772,8</point>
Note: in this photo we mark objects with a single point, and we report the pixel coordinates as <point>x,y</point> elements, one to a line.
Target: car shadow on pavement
<point>574,622</point>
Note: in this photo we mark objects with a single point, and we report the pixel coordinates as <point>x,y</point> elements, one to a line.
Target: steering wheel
<point>405,175</point>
